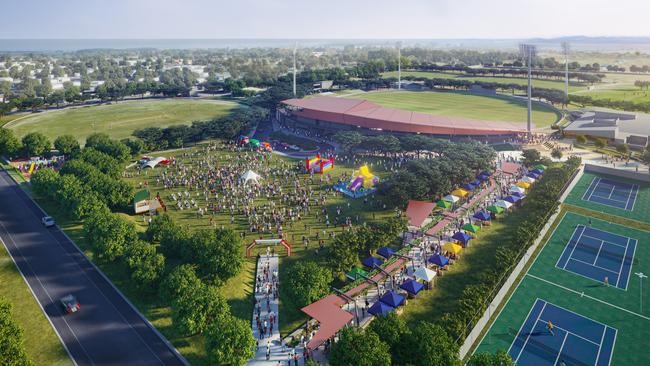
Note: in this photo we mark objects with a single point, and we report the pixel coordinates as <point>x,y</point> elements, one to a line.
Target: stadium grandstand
<point>328,115</point>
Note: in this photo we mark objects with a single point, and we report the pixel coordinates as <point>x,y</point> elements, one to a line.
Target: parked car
<point>70,304</point>
<point>48,221</point>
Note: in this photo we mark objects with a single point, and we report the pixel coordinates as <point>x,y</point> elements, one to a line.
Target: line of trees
<point>12,347</point>
<point>625,105</point>
<point>226,127</point>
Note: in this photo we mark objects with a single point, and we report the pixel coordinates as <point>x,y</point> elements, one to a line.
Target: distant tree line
<point>625,105</point>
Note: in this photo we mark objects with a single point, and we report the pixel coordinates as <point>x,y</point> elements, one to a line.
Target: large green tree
<point>429,345</point>
<point>193,311</point>
<point>217,253</point>
<point>229,341</point>
<point>501,358</point>
<point>12,348</point>
<point>145,263</point>
<point>9,143</point>
<point>359,348</point>
<point>67,145</point>
<point>109,234</point>
<point>307,282</point>
<point>182,279</point>
<point>35,144</point>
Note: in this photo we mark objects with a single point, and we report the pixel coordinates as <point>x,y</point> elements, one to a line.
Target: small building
<point>143,204</point>
<point>617,127</point>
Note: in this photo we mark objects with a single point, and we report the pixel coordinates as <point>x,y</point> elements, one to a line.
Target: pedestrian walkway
<point>266,310</point>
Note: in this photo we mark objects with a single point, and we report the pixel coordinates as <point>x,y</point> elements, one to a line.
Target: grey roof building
<point>620,127</point>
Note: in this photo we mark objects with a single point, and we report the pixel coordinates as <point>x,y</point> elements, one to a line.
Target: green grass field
<point>463,105</point>
<point>537,83</point>
<point>640,211</point>
<point>609,305</point>
<point>119,120</point>
<point>42,345</point>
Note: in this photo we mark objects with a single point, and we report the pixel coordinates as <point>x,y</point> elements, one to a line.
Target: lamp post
<point>641,277</point>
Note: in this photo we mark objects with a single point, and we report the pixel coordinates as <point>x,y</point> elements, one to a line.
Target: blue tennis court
<point>576,340</point>
<point>598,254</point>
<point>612,193</point>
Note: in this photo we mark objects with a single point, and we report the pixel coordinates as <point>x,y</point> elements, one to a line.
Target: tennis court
<point>593,324</point>
<point>574,339</point>
<point>598,254</point>
<point>612,193</point>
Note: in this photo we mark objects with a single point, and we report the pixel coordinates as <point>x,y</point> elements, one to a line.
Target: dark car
<point>70,304</point>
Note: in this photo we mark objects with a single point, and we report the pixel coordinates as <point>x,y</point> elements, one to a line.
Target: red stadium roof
<point>358,112</point>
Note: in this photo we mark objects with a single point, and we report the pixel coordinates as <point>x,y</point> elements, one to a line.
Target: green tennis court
<point>578,305</point>
<point>629,198</point>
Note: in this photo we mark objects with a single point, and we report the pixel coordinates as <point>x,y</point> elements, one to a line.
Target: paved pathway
<point>273,341</point>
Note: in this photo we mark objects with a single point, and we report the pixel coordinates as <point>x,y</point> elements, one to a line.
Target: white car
<point>48,221</point>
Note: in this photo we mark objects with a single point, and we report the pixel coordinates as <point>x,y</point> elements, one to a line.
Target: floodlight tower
<point>527,52</point>
<point>399,65</point>
<point>294,69</point>
<point>565,49</point>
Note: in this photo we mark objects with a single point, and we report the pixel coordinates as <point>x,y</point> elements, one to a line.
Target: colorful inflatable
<point>362,184</point>
<point>318,164</point>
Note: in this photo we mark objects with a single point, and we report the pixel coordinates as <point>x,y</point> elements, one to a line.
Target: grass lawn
<point>42,344</point>
<point>463,105</point>
<point>537,83</point>
<point>120,119</point>
<point>608,305</point>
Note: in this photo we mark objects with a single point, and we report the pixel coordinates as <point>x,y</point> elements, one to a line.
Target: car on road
<point>48,221</point>
<point>70,304</point>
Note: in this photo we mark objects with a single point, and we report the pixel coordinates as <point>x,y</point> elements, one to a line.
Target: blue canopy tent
<point>371,262</point>
<point>392,298</point>
<point>379,308</point>
<point>461,237</point>
<point>468,187</point>
<point>482,215</point>
<point>412,287</point>
<point>533,175</point>
<point>475,183</point>
<point>485,172</point>
<point>538,171</point>
<point>483,177</point>
<point>439,260</point>
<point>385,252</point>
<point>518,194</point>
<point>512,199</point>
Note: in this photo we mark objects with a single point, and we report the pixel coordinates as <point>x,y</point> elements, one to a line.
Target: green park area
<point>120,119</point>
<point>463,105</point>
<point>41,343</point>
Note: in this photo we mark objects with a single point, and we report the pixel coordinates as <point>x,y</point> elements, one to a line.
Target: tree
<point>391,330</point>
<point>44,182</point>
<point>12,348</point>
<point>600,143</point>
<point>9,143</point>
<point>109,234</point>
<point>556,153</point>
<point>581,139</point>
<point>501,358</point>
<point>196,309</point>
<point>531,157</point>
<point>429,344</point>
<point>646,157</point>
<point>217,253</point>
<point>145,264</point>
<point>35,144</point>
<point>180,280</point>
<point>360,348</point>
<point>308,282</point>
<point>623,149</point>
<point>136,145</point>
<point>67,145</point>
<point>229,341</point>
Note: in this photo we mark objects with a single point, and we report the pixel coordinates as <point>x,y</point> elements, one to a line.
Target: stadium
<point>327,115</point>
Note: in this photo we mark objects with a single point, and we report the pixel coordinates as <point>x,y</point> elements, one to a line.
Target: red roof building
<point>365,114</point>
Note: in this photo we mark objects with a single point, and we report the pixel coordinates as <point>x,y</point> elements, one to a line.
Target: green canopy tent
<point>495,209</point>
<point>443,204</point>
<point>356,273</point>
<point>540,167</point>
<point>471,228</point>
<point>254,143</point>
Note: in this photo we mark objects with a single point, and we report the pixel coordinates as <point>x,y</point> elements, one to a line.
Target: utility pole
<point>565,48</point>
<point>294,69</point>
<point>527,52</point>
<point>399,65</point>
<point>641,277</point>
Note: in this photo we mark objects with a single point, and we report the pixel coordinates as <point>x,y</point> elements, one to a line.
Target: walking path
<point>266,284</point>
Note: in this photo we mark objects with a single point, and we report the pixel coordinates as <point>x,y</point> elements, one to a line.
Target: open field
<point>119,120</point>
<point>463,105</point>
<point>42,345</point>
<point>537,83</point>
<point>560,278</point>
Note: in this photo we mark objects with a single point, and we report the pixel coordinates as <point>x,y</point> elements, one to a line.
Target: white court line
<point>636,193</point>
<point>611,191</point>
<point>589,297</point>
<point>611,354</point>
<point>600,347</point>
<point>575,246</point>
<point>596,179</point>
<point>524,323</point>
<point>598,254</point>
<point>604,269</point>
<point>608,242</point>
<point>567,331</point>
<point>608,198</point>
<point>636,243</point>
<point>528,336</point>
<point>566,335</point>
<point>565,246</point>
<point>622,262</point>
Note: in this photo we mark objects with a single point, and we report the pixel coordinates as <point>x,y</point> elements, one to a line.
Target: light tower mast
<point>399,65</point>
<point>565,48</point>
<point>294,69</point>
<point>527,52</point>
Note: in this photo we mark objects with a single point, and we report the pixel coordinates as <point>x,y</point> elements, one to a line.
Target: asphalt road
<point>107,330</point>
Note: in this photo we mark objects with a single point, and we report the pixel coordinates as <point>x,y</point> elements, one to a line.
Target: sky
<point>321,19</point>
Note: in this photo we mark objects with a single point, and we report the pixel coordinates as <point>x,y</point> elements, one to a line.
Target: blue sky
<point>321,18</point>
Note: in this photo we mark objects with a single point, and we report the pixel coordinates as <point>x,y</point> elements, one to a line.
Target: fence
<point>484,320</point>
<point>617,172</point>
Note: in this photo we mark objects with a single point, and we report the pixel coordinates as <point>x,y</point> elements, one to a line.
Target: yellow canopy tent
<point>460,192</point>
<point>452,248</point>
<point>523,184</point>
